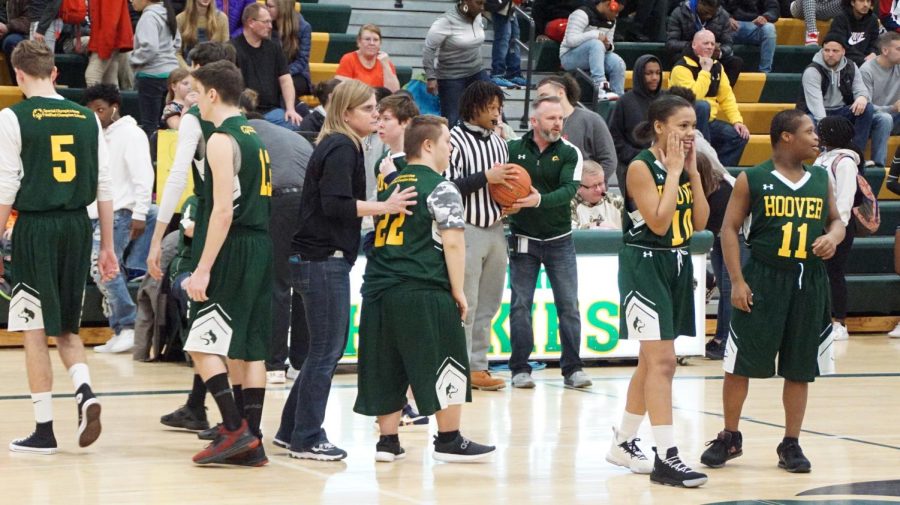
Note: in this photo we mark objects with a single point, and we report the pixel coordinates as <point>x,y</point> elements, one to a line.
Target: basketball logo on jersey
<point>451,383</point>
<point>641,317</point>
<point>25,309</point>
<point>211,331</point>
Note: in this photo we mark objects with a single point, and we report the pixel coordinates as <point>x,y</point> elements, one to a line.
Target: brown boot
<point>482,380</point>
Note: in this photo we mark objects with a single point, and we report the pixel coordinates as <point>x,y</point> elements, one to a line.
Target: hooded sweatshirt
<point>155,50</point>
<point>632,110</point>
<point>842,177</point>
<point>861,35</point>
<point>453,46</point>
<point>129,167</point>
<point>885,80</point>
<point>817,103</point>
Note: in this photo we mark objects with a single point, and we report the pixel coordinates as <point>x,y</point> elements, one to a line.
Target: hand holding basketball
<point>512,183</point>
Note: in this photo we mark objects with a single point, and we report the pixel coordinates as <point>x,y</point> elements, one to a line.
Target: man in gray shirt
<point>881,76</point>
<point>289,153</point>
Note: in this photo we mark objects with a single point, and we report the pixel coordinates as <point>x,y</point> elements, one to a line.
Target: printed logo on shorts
<point>451,383</point>
<point>641,317</point>
<point>25,309</point>
<point>211,331</point>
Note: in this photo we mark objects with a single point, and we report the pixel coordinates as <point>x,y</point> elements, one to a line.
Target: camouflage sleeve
<point>446,207</point>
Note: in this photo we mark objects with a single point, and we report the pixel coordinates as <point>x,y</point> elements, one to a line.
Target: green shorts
<point>656,293</point>
<point>51,261</point>
<point>411,337</point>
<point>790,318</point>
<point>236,320</point>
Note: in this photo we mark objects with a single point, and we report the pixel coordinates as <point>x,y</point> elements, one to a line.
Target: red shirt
<point>351,66</point>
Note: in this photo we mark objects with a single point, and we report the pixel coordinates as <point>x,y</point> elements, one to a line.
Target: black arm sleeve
<point>470,184</point>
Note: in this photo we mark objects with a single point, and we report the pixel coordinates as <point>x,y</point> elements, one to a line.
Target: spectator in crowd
<point>753,22</point>
<point>506,63</point>
<point>265,69</point>
<point>131,173</point>
<point>111,35</point>
<point>698,71</point>
<point>858,25</point>
<point>693,16</point>
<point>234,11</point>
<point>313,121</point>
<point>810,11</point>
<point>833,86</point>
<point>295,35</point>
<point>14,17</point>
<point>45,22</point>
<point>588,45</point>
<point>156,46</point>
<point>201,21</point>
<point>541,233</point>
<point>648,20</point>
<point>452,55</point>
<point>594,207</point>
<point>179,99</point>
<point>631,110</point>
<point>841,159</point>
<point>479,157</point>
<point>881,77</point>
<point>545,11</point>
<point>582,127</point>
<point>324,250</point>
<point>369,63</point>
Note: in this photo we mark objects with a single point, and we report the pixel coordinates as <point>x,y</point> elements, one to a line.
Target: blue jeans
<point>602,65</point>
<point>325,288</point>
<point>558,258</point>
<point>136,259</point>
<point>883,125</point>
<point>276,117</point>
<point>723,281</point>
<point>862,124</point>
<point>505,58</point>
<point>450,93</point>
<point>762,36</point>
<point>119,308</point>
<point>727,142</point>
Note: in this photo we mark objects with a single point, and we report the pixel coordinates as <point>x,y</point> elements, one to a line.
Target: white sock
<point>80,374</point>
<point>43,406</point>
<point>629,427</point>
<point>665,439</point>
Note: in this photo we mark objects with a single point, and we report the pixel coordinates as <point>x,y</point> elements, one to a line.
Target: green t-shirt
<point>636,232</point>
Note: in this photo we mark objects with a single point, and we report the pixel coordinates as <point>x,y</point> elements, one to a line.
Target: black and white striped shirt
<point>476,150</point>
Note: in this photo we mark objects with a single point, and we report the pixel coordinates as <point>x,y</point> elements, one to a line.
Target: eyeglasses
<point>266,22</point>
<point>598,186</point>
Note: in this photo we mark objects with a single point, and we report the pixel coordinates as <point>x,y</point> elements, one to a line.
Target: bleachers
<point>329,18</point>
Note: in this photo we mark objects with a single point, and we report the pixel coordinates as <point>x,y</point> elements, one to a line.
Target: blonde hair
<point>368,28</point>
<point>288,25</point>
<point>348,95</point>
<point>175,77</point>
<point>591,167</point>
<point>190,20</point>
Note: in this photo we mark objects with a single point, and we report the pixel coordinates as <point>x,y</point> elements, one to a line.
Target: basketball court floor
<point>551,443</point>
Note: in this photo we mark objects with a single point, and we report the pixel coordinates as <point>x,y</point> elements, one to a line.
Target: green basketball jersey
<point>408,248</point>
<point>786,217</point>
<point>59,155</point>
<point>252,178</point>
<point>399,162</point>
<point>636,232</point>
<point>206,129</point>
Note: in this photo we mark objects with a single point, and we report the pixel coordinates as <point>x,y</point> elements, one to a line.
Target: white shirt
<point>130,167</point>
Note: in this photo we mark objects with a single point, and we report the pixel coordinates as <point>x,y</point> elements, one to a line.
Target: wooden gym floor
<point>551,443</point>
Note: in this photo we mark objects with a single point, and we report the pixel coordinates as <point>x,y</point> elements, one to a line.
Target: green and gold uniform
<point>656,276</point>
<point>52,247</point>
<point>381,182</point>
<point>410,330</point>
<point>791,312</point>
<point>236,319</point>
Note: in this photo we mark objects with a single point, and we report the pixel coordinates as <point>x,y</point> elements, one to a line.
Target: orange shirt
<point>352,67</point>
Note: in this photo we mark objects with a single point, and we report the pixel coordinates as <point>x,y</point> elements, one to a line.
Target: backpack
<point>865,205</point>
<point>73,12</point>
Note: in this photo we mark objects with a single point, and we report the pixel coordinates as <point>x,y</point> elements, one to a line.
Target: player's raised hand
<point>108,264</point>
<point>674,158</point>
<point>196,285</point>
<point>741,296</point>
<point>460,298</point>
<point>387,166</point>
<point>824,247</point>
<point>401,199</point>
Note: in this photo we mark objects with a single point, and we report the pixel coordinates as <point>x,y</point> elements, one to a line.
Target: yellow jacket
<point>683,76</point>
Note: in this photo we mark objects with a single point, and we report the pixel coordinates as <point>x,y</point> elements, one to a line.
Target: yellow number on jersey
<point>66,172</point>
<point>265,182</point>
<point>682,227</point>
<point>787,232</point>
<point>394,236</point>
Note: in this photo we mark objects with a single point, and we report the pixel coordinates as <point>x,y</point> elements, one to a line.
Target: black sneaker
<point>460,450</point>
<point>715,350</point>
<point>88,416</point>
<point>209,433</point>
<point>791,458</point>
<point>253,457</point>
<point>323,451</point>
<point>673,472</point>
<point>388,450</point>
<point>35,444</point>
<point>186,418</point>
<point>727,445</point>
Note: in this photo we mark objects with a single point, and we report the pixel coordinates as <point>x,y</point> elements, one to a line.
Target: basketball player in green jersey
<point>665,204</point>
<point>418,261</point>
<point>53,164</point>
<point>781,297</point>
<point>232,282</point>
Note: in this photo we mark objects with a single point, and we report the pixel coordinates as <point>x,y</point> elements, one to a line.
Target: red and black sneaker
<point>227,444</point>
<point>253,457</point>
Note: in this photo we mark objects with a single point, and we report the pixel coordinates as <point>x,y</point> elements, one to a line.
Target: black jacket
<point>684,23</point>
<point>631,110</point>
<point>748,10</point>
<point>861,34</point>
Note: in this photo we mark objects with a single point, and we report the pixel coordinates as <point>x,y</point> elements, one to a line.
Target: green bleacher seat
<point>890,217</point>
<point>873,294</point>
<point>339,44</point>
<point>71,69</point>
<point>329,18</point>
<point>872,255</point>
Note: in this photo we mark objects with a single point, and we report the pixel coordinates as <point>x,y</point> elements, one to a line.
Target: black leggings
<point>836,267</point>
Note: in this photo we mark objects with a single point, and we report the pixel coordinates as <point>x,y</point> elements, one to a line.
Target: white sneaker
<point>108,345</point>
<point>292,373</point>
<point>895,333</point>
<point>275,377</point>
<point>839,332</point>
<point>124,342</point>
<point>628,454</point>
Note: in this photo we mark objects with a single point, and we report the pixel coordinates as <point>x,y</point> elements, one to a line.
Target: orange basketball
<point>521,187</point>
